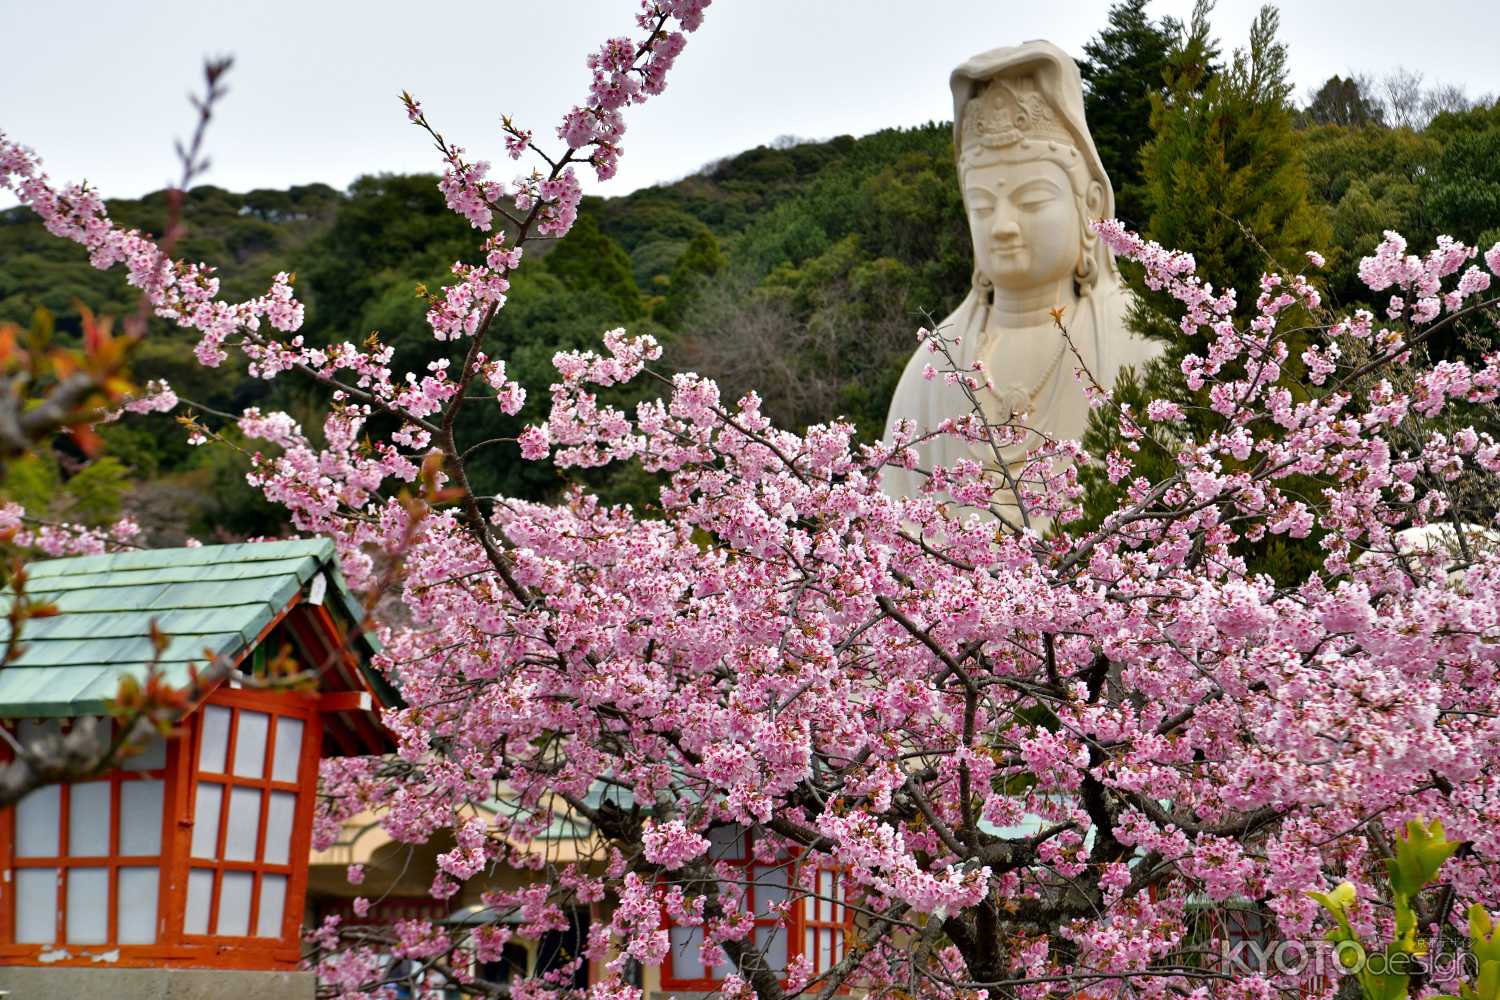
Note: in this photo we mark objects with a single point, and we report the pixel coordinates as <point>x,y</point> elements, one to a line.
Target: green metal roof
<point>210,601</point>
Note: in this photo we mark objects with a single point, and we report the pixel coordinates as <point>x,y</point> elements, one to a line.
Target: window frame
<point>64,861</point>
<point>795,924</point>
<point>173,946</point>
<point>837,925</point>
<point>278,705</point>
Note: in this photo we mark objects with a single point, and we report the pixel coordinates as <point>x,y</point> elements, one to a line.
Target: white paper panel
<point>728,842</point>
<point>37,816</point>
<point>770,887</point>
<point>140,817</point>
<point>288,749</point>
<point>36,905</point>
<point>244,824</point>
<point>215,739</point>
<point>810,947</point>
<point>234,904</point>
<point>825,949</point>
<point>272,902</point>
<point>770,940</point>
<point>206,820</point>
<point>687,957</point>
<point>136,916</point>
<point>200,897</point>
<point>88,905</point>
<point>279,812</point>
<point>250,744</point>
<point>88,819</point>
<point>152,756</point>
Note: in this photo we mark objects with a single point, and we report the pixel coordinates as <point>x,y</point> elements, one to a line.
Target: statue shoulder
<point>963,323</point>
<point>1121,345</point>
<point>1112,302</point>
<point>926,402</point>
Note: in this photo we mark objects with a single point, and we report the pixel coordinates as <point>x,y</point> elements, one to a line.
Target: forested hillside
<point>801,271</point>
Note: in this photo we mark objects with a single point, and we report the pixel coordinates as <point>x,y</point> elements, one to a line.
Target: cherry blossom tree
<point>1039,762</point>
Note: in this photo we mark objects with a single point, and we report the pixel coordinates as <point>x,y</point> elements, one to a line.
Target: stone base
<point>34,983</point>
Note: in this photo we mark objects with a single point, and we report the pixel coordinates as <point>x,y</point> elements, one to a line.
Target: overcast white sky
<point>97,86</point>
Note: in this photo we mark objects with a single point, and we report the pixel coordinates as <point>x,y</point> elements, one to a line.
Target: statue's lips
<point>1009,250</point>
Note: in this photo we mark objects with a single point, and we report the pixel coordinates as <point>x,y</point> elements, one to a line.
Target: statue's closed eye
<point>1036,194</point>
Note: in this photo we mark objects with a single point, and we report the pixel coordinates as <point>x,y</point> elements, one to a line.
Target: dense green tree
<point>698,263</point>
<point>652,263</point>
<point>1343,101</point>
<point>56,485</point>
<point>1465,185</point>
<point>564,297</point>
<point>33,481</point>
<point>818,307</point>
<point>1367,180</point>
<point>588,262</point>
<point>390,227</point>
<point>1451,123</point>
<point>726,195</point>
<point>95,491</point>
<point>1224,175</point>
<point>1122,67</point>
<point>1225,180</point>
<point>542,316</point>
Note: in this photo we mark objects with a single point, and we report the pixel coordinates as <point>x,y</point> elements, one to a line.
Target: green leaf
<point>1418,857</point>
<point>1338,901</point>
<point>1487,985</point>
<point>1483,940</point>
<point>1384,987</point>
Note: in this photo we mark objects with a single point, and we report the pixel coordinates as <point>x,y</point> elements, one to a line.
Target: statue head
<point>1032,180</point>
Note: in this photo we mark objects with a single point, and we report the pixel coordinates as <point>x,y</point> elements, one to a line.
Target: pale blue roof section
<point>210,601</point>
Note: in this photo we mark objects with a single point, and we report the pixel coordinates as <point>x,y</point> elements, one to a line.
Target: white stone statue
<point>1032,182</point>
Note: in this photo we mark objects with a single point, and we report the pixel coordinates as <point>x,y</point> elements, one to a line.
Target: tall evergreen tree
<point>1122,67</point>
<point>1223,176</point>
<point>700,261</point>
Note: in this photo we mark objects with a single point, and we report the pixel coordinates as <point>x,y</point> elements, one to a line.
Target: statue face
<point>1023,219</point>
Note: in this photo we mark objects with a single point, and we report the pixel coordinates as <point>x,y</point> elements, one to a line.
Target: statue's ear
<point>1094,200</point>
<point>1093,207</point>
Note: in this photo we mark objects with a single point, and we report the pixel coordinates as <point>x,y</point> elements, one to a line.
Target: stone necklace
<point>1016,399</point>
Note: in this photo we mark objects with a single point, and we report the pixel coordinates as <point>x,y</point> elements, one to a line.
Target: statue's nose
<point>1004,228</point>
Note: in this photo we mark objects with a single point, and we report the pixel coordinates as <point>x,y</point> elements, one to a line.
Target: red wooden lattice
<point>818,926</point>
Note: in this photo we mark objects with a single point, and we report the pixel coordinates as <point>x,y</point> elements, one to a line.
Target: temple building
<point>193,854</point>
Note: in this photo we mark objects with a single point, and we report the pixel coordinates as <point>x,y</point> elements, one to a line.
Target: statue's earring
<point>982,283</point>
<point>1085,271</point>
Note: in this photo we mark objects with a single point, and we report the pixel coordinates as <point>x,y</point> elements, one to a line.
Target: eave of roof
<point>211,601</point>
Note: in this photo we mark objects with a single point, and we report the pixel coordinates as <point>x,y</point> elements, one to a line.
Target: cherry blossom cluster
<point>156,396</point>
<point>1097,733</point>
<point>626,72</point>
<point>64,538</point>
